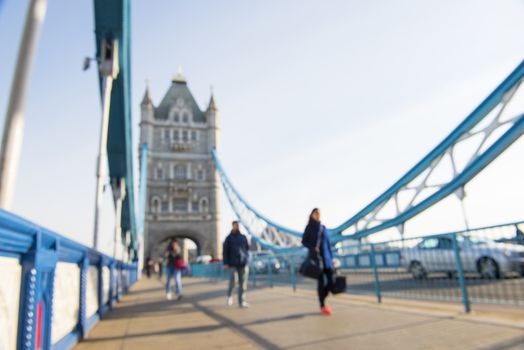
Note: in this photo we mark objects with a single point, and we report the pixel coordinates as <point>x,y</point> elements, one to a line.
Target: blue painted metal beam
<point>143,189</point>
<point>113,21</point>
<point>224,177</point>
<point>469,123</point>
<point>39,250</point>
<point>467,174</point>
<point>263,244</point>
<point>227,184</point>
<point>476,166</point>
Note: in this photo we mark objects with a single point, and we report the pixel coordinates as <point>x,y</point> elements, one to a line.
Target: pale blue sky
<point>323,103</point>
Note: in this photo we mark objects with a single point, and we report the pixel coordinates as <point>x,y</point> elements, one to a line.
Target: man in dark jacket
<point>236,250</point>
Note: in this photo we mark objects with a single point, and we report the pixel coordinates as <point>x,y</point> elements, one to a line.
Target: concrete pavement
<point>282,319</point>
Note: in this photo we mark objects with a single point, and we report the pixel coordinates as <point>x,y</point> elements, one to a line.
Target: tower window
<point>155,205</point>
<point>200,175</point>
<point>180,172</point>
<point>180,205</point>
<point>185,117</point>
<point>194,206</point>
<point>176,117</point>
<point>204,205</point>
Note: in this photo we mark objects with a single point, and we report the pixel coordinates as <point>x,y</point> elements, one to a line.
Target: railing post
<point>254,276</point>
<point>375,275</point>
<point>100,290</point>
<point>269,273</point>
<point>119,274</point>
<point>293,276</point>
<point>82,314</point>
<point>36,297</point>
<point>125,277</point>
<point>460,270</point>
<point>112,283</point>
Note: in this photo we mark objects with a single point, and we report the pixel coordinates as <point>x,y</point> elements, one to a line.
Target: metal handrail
<point>38,251</point>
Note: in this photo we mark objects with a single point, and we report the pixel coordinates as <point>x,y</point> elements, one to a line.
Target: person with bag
<point>236,257</point>
<point>174,266</point>
<point>316,239</point>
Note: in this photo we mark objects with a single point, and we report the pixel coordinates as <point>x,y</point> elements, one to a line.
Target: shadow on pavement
<point>375,331</point>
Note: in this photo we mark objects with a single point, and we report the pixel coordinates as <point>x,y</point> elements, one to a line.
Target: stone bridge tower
<point>183,185</point>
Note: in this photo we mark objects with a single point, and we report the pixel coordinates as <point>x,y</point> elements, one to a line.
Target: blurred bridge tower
<point>183,185</point>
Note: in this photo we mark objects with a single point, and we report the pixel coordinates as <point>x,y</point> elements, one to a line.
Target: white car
<point>489,258</point>
<point>203,259</point>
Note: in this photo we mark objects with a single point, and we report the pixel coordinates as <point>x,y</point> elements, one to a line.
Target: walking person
<point>236,258</point>
<point>316,239</point>
<point>160,268</point>
<point>149,266</point>
<point>174,263</point>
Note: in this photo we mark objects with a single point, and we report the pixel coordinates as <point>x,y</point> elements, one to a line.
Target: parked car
<point>514,240</point>
<point>289,261</point>
<point>488,258</point>
<point>260,261</point>
<point>203,259</point>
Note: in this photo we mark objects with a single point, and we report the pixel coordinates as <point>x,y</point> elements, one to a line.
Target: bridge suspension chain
<point>486,133</point>
<point>264,231</point>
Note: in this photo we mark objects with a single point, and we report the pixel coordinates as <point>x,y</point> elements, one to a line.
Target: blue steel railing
<point>481,265</point>
<point>38,251</point>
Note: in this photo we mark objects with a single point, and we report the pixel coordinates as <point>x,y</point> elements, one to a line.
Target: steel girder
<point>488,127</point>
<point>113,22</point>
<point>264,231</point>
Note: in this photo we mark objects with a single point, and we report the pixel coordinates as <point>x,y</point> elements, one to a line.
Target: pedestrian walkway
<point>282,319</point>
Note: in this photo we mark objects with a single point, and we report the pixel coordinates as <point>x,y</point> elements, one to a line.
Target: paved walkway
<point>281,319</point>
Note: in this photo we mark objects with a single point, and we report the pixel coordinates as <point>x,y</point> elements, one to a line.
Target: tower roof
<point>179,77</point>
<point>179,90</point>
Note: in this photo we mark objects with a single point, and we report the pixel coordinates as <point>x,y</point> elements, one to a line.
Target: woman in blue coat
<point>316,239</point>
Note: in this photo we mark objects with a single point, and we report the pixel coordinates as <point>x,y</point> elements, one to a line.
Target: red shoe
<point>325,310</point>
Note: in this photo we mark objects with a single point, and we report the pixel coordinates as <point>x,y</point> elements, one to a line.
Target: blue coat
<point>309,240</point>
<point>235,250</point>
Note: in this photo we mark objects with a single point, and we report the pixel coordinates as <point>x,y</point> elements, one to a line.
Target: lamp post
<point>14,120</point>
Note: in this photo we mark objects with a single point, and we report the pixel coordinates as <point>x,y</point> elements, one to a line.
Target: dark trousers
<point>325,284</point>
<point>242,273</point>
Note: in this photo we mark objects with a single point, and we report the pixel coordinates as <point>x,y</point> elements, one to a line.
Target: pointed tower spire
<point>147,96</point>
<point>212,104</point>
<point>179,77</point>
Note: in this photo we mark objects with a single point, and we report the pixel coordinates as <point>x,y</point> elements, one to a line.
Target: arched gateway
<point>183,185</point>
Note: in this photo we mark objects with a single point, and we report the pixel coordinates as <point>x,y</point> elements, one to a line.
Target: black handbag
<point>339,285</point>
<point>311,267</point>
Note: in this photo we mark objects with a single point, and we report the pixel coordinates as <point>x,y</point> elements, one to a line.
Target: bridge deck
<point>281,319</point>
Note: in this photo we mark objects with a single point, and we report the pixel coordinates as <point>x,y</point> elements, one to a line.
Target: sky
<point>323,103</point>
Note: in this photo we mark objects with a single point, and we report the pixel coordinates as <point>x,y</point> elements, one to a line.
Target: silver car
<point>261,260</point>
<point>488,258</point>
